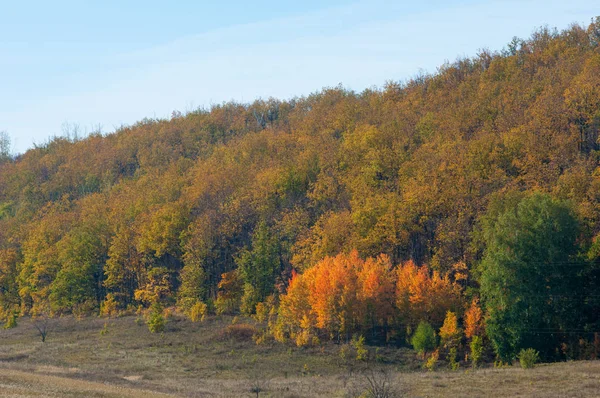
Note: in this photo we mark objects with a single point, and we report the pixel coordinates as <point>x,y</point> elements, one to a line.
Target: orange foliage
<point>295,312</point>
<point>422,295</point>
<point>474,320</point>
<point>338,295</point>
<point>377,289</point>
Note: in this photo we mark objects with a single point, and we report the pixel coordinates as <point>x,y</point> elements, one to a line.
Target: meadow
<point>119,357</point>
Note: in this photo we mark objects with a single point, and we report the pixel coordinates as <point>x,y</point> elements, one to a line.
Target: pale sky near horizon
<point>112,62</point>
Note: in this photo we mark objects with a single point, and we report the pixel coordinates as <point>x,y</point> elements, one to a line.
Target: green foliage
<point>431,362</point>
<point>155,319</point>
<point>452,359</point>
<point>535,241</point>
<point>11,321</point>
<point>345,353</point>
<point>362,353</point>
<point>192,288</point>
<point>528,358</point>
<point>476,346</point>
<point>440,170</point>
<point>259,267</point>
<point>424,339</point>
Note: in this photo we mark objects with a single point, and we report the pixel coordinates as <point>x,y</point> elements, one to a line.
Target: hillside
<point>215,210</point>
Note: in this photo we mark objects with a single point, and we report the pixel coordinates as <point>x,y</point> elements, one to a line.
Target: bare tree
<point>258,383</point>
<point>42,324</point>
<point>5,147</point>
<point>375,383</point>
<point>71,131</point>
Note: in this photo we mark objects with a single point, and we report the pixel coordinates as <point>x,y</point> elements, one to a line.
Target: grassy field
<point>120,357</point>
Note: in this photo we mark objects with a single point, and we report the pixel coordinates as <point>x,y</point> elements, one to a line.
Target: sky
<point>104,64</point>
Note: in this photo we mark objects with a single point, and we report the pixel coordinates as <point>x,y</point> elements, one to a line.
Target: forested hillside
<point>469,199</point>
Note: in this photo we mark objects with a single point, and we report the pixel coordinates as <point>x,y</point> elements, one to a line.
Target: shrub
<point>225,306</point>
<point>261,313</point>
<point>11,321</point>
<point>198,312</point>
<point>362,354</point>
<point>105,330</point>
<point>528,358</point>
<point>380,385</point>
<point>450,333</point>
<point>156,320</point>
<point>83,309</point>
<point>424,338</point>
<point>108,308</point>
<point>266,311</point>
<point>169,313</point>
<point>452,354</point>
<point>239,332</point>
<point>431,362</point>
<point>262,336</point>
<point>476,346</point>
<point>306,338</point>
<point>345,352</point>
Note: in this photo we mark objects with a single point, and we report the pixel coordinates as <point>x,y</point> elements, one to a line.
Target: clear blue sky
<point>115,62</point>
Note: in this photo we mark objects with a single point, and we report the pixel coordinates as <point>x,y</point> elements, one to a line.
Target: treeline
<point>217,210</point>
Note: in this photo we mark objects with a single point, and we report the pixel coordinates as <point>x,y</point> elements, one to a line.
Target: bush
<point>380,385</point>
<point>431,362</point>
<point>362,354</point>
<point>198,312</point>
<point>11,321</point>
<point>108,308</point>
<point>528,358</point>
<point>249,300</point>
<point>424,338</point>
<point>156,321</point>
<point>452,355</point>
<point>83,309</point>
<point>239,332</point>
<point>261,313</point>
<point>476,346</point>
<point>345,352</point>
<point>226,306</point>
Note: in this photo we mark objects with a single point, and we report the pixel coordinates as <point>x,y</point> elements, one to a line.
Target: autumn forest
<point>456,212</point>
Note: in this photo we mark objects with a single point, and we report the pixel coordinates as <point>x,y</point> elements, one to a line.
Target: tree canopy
<point>442,188</point>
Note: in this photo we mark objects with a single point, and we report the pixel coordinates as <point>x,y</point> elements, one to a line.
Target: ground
<point>96,357</point>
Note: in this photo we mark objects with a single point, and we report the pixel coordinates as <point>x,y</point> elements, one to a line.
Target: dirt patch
<point>134,378</point>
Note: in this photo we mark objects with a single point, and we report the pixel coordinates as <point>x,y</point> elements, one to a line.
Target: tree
<point>157,287</point>
<point>529,274</point>
<point>9,292</point>
<point>424,295</point>
<point>5,147</point>
<point>474,320</point>
<point>376,292</point>
<point>230,293</point>
<point>191,290</point>
<point>259,266</point>
<point>81,255</point>
<point>338,296</point>
<point>125,268</point>
<point>295,317</point>
<point>450,333</point>
<point>424,339</point>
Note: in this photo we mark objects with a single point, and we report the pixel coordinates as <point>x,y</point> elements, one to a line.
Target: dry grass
<point>87,358</point>
<point>15,383</point>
